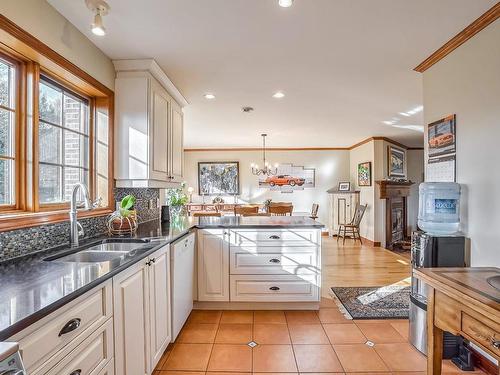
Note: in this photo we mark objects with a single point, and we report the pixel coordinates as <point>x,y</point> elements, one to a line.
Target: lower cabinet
<point>141,301</point>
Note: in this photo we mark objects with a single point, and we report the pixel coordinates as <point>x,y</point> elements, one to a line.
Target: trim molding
<point>201,149</point>
<point>371,243</point>
<point>463,36</point>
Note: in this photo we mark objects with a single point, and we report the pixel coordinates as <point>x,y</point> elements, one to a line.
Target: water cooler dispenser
<point>431,251</point>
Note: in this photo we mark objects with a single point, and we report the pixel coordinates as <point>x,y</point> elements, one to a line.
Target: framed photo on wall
<point>365,174</point>
<point>441,136</point>
<point>344,186</point>
<point>219,178</point>
<point>396,163</point>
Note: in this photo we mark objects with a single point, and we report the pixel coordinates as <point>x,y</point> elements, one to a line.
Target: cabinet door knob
<point>153,260</point>
<point>76,372</point>
<point>495,343</point>
<point>70,326</point>
<point>274,260</point>
<point>148,263</point>
<point>274,237</point>
<point>274,288</point>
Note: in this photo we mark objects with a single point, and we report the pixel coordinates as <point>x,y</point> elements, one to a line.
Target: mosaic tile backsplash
<point>21,242</point>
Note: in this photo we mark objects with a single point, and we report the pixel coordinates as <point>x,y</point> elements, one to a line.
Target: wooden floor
<point>355,265</point>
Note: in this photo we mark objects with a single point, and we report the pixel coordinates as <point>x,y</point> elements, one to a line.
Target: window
<point>64,142</point>
<point>7,133</point>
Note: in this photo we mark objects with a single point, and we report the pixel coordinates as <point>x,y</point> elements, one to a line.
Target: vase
<point>176,212</point>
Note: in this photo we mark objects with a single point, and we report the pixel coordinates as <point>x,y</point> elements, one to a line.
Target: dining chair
<point>280,210</point>
<point>206,214</point>
<point>244,210</point>
<point>352,229</point>
<point>257,214</point>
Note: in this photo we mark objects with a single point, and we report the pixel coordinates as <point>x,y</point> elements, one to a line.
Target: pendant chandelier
<point>267,170</point>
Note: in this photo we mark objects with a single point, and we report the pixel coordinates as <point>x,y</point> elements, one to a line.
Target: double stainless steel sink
<point>108,250</point>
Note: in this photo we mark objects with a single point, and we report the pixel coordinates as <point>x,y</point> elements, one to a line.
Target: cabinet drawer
<point>254,262</point>
<point>275,237</point>
<point>274,288</point>
<point>79,318</point>
<point>91,356</point>
<point>482,333</point>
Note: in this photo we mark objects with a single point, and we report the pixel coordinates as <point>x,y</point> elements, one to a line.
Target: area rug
<point>384,302</point>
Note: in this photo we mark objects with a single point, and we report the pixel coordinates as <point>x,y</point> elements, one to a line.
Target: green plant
<point>126,204</point>
<point>177,196</point>
<point>123,220</point>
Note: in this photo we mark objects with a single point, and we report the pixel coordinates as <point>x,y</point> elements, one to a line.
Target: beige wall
<point>331,168</point>
<point>42,21</point>
<point>467,83</point>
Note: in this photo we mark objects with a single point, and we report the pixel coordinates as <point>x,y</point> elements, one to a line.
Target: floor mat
<point>384,302</point>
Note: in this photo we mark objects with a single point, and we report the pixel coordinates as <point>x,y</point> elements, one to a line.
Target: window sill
<point>19,220</point>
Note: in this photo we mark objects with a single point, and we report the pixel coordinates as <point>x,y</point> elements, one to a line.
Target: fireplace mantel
<point>394,189</point>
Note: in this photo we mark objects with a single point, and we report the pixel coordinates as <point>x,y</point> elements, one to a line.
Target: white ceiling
<point>344,65</point>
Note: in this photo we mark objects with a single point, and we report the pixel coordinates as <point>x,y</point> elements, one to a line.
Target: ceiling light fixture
<point>100,8</point>
<point>267,170</point>
<point>278,95</point>
<point>209,96</point>
<point>285,3</point>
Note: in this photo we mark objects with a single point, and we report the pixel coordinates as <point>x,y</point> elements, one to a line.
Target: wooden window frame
<point>34,58</point>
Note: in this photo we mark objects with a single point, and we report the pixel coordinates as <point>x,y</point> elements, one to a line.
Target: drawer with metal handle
<point>258,263</point>
<point>275,237</point>
<point>274,288</point>
<point>483,334</point>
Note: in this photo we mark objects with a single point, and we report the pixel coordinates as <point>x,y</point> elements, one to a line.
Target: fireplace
<point>395,194</point>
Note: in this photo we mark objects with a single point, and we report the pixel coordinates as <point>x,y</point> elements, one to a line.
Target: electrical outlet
<point>152,204</point>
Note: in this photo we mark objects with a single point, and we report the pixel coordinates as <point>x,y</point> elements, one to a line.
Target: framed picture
<point>441,136</point>
<point>344,186</point>
<point>396,163</point>
<point>365,174</point>
<point>289,178</point>
<point>219,178</point>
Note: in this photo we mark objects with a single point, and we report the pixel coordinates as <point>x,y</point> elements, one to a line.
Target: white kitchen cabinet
<point>213,265</point>
<point>142,314</point>
<point>131,315</point>
<point>342,209</point>
<point>159,297</point>
<point>148,126</point>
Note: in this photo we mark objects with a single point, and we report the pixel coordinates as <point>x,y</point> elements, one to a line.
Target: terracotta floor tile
<point>401,357</point>
<point>234,334</point>
<point>449,368</point>
<point>197,334</point>
<point>301,317</point>
<point>273,358</point>
<point>225,357</point>
<point>307,334</point>
<point>271,333</point>
<point>359,358</point>
<point>269,316</point>
<point>316,358</point>
<point>327,303</point>
<point>161,372</point>
<point>402,328</point>
<point>237,316</point>
<point>381,333</point>
<point>378,321</point>
<point>205,316</point>
<point>188,357</point>
<point>332,316</point>
<point>344,334</point>
<point>227,373</point>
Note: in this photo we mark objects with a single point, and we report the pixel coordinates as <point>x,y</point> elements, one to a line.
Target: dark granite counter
<point>31,288</point>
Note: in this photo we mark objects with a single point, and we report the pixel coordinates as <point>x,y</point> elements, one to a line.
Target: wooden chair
<point>352,229</point>
<point>206,213</point>
<point>280,210</point>
<point>257,214</point>
<point>314,211</point>
<point>245,210</point>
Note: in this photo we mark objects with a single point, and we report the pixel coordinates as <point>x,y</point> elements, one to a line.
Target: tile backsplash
<point>21,242</point>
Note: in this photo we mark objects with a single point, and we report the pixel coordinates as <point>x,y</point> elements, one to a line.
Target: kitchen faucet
<point>76,229</point>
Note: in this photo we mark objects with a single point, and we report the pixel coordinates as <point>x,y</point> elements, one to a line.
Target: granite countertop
<point>32,288</point>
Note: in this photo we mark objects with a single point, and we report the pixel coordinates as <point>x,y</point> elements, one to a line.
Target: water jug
<point>439,207</point>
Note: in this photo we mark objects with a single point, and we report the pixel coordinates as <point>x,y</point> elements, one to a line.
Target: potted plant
<point>124,220</point>
<point>177,200</point>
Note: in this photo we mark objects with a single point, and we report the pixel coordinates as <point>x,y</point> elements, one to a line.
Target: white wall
<point>415,162</point>
<point>331,166</point>
<point>42,21</point>
<point>467,83</point>
<point>362,154</point>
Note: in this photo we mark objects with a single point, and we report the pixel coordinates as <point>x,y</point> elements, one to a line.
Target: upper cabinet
<point>149,129</point>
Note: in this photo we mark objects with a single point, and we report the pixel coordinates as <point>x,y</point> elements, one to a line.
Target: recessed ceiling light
<point>278,95</point>
<point>209,96</point>
<point>100,8</point>
<point>285,3</point>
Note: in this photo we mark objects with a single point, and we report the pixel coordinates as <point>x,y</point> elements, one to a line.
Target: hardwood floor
<point>356,265</point>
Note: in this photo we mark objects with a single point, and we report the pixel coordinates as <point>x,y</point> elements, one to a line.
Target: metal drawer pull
<point>495,343</point>
<point>274,288</point>
<point>70,326</point>
<point>76,372</point>
<point>274,260</point>
<point>274,237</point>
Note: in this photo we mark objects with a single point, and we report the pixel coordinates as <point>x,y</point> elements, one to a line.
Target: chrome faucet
<point>76,229</point>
